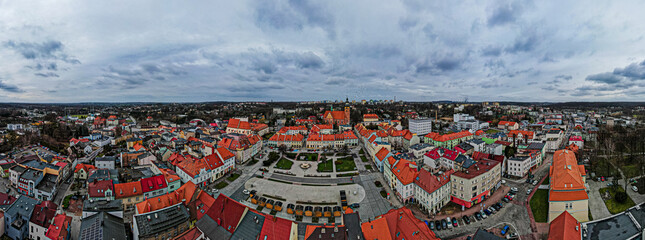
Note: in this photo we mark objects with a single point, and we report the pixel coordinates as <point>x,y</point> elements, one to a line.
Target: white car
<point>503,181</point>
<point>514,189</point>
<point>635,188</point>
<point>528,191</point>
<point>246,192</point>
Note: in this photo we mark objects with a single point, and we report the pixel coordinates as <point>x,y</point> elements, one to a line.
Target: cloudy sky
<point>418,50</point>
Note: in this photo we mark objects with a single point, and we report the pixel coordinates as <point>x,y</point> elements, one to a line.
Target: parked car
<point>505,230</point>
<point>514,189</point>
<point>528,180</point>
<point>492,210</point>
<point>635,188</point>
<point>609,184</point>
<point>535,182</point>
<point>355,205</point>
<point>431,225</point>
<point>484,216</point>
<point>437,224</point>
<point>444,224</point>
<point>246,192</point>
<point>528,191</point>
<point>466,219</point>
<point>487,212</point>
<point>455,223</point>
<point>503,181</point>
<point>449,222</point>
<point>478,216</point>
<point>512,236</point>
<point>505,199</point>
<point>501,205</point>
<point>497,207</point>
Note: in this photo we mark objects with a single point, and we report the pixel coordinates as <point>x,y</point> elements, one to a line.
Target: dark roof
<point>353,224</point>
<point>102,226</point>
<point>250,226</point>
<point>32,175</point>
<point>159,221</point>
<point>18,168</point>
<point>619,226</point>
<point>40,165</point>
<point>211,229</point>
<point>102,206</point>
<point>106,159</point>
<point>23,206</point>
<point>481,234</point>
<point>48,183</point>
<point>536,146</point>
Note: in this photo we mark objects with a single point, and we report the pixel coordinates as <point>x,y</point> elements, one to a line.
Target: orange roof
<point>191,165</point>
<point>287,138</point>
<point>237,123</point>
<point>124,190</point>
<point>138,147</point>
<point>565,173</point>
<point>258,126</point>
<point>83,166</point>
<point>447,137</point>
<point>370,116</point>
<point>479,132</point>
<point>506,123</point>
<point>564,227</point>
<point>430,182</point>
<point>292,128</point>
<point>405,171</point>
<point>399,224</point>
<point>225,153</point>
<point>518,132</point>
<point>557,196</point>
<point>335,114</point>
<point>170,175</point>
<point>381,154</point>
<point>185,192</point>
<point>376,229</point>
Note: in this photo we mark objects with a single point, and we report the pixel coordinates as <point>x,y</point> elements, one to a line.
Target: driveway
<point>596,204</point>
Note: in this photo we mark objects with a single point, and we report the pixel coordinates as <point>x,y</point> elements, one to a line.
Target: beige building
<point>476,183</point>
<point>567,191</point>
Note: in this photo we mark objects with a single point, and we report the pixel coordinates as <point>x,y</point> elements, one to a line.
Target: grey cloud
<point>47,75</point>
<point>491,51</point>
<point>293,14</point>
<point>376,51</point>
<point>46,50</point>
<point>525,42</point>
<point>564,77</point>
<point>407,23</point>
<point>9,87</point>
<point>503,14</point>
<point>336,81</point>
<point>607,77</point>
<point>428,30</point>
<point>531,83</point>
<point>634,71</point>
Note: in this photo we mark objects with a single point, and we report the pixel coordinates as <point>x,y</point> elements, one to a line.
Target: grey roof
<point>104,174</point>
<point>161,220</point>
<point>102,226</point>
<point>617,227</point>
<point>211,229</point>
<point>249,228</point>
<point>420,146</point>
<point>102,206</point>
<point>48,183</point>
<point>481,234</point>
<point>536,146</point>
<point>23,206</point>
<point>466,162</point>
<point>352,222</point>
<point>32,175</point>
<point>465,146</point>
<point>477,141</point>
<point>639,214</point>
<point>106,159</point>
<point>40,165</point>
<point>18,169</point>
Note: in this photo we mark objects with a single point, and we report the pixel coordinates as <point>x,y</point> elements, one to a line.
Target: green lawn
<point>361,151</point>
<point>547,180</point>
<point>368,167</point>
<point>326,166</point>
<point>364,159</point>
<point>345,164</point>
<point>291,155</point>
<point>630,170</point>
<point>221,185</point>
<point>284,164</point>
<point>308,156</point>
<point>490,131</point>
<point>540,205</point>
<point>613,206</point>
<point>233,177</point>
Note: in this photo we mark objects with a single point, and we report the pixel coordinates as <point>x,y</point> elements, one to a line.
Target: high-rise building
<point>420,126</point>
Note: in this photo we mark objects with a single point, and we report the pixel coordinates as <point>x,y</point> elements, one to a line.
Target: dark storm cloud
<point>439,65</point>
<point>634,71</point>
<point>9,87</point>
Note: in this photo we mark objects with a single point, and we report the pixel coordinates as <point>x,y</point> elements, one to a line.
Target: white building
<point>420,127</point>
<point>518,166</point>
<point>432,192</point>
<point>14,127</point>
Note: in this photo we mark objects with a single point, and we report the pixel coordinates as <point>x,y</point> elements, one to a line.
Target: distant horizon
<point>250,50</point>
<point>350,101</point>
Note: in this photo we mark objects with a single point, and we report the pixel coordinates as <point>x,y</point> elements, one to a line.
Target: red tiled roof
<point>190,234</point>
<point>405,171</point>
<point>238,124</point>
<point>565,173</point>
<point>447,137</point>
<point>430,182</point>
<point>275,228</point>
<point>227,212</point>
<point>338,115</point>
<point>518,132</point>
<point>400,224</point>
<point>43,213</point>
<point>370,116</point>
<point>376,229</point>
<point>58,229</point>
<point>506,123</point>
<point>98,188</point>
<point>183,194</point>
<point>567,195</point>
<point>565,227</point>
<point>477,169</point>
<point>381,154</point>
<point>153,183</point>
<point>124,190</point>
<point>287,138</point>
<point>86,167</point>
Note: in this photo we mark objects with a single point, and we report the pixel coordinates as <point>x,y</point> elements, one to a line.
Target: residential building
<point>474,184</point>
<point>60,228</point>
<point>318,141</point>
<point>290,141</point>
<point>46,189</point>
<point>322,129</point>
<point>238,126</point>
<point>17,217</point>
<point>447,140</point>
<point>154,186</point>
<point>405,172</point>
<point>102,226</point>
<point>41,219</point>
<point>300,129</point>
<point>113,207</point>
<point>397,224</point>
<point>432,191</point>
<point>420,127</point>
<point>519,166</point>
<point>100,190</point>
<point>107,162</point>
<point>165,223</point>
<point>567,190</point>
<point>506,125</point>
<point>244,147</point>
<point>129,193</point>
<point>565,227</point>
<point>370,118</point>
<point>577,140</point>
